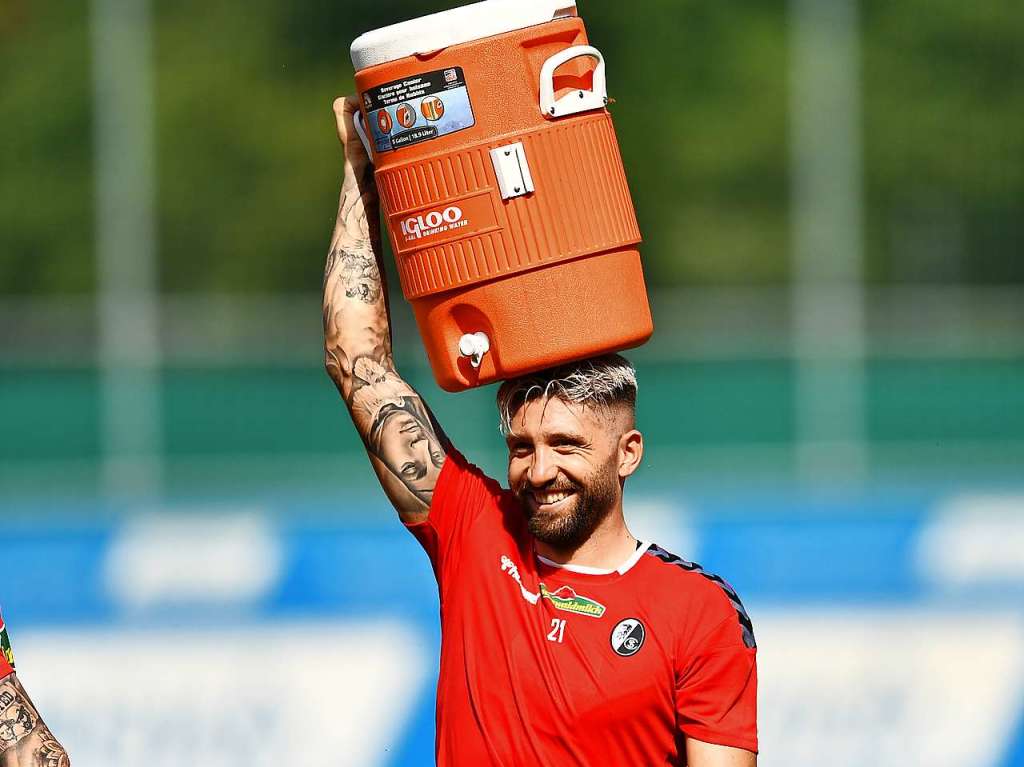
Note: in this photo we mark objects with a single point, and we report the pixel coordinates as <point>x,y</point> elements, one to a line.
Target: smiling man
<point>565,640</point>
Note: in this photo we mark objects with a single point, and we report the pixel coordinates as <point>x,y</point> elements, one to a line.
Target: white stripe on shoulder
<point>640,551</point>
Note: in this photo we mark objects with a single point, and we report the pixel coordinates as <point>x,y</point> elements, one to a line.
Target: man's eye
<point>410,471</point>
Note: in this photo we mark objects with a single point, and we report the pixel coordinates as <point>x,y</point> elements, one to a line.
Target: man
<point>565,641</point>
<point>25,740</point>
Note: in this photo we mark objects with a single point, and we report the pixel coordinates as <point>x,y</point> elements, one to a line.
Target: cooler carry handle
<point>577,101</point>
<point>357,120</point>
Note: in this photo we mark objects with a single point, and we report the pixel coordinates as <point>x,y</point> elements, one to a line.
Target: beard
<point>569,529</point>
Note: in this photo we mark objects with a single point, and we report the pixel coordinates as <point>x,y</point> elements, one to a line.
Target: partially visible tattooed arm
<point>25,740</point>
<point>405,444</point>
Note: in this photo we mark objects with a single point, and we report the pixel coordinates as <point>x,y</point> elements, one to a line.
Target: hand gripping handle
<point>576,101</point>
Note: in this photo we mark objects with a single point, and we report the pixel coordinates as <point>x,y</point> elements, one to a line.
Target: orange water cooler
<point>502,188</point>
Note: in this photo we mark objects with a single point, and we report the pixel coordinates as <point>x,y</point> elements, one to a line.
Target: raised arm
<point>404,442</point>
<point>701,754</point>
<point>25,740</point>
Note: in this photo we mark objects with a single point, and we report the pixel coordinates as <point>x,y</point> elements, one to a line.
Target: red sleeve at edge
<point>461,494</point>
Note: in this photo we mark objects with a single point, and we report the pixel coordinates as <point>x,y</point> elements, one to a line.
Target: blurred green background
<point>833,222</point>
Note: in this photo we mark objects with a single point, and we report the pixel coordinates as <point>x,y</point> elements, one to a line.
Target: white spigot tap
<point>474,346</point>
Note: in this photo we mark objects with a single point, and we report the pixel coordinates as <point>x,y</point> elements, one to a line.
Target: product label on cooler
<point>444,222</point>
<point>418,108</point>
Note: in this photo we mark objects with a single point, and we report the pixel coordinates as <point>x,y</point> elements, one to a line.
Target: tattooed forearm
<point>50,753</point>
<point>358,207</point>
<point>16,719</point>
<point>354,315</point>
<point>397,427</point>
<point>332,261</point>
<point>406,446</point>
<point>358,273</point>
<point>25,740</point>
<point>355,294</point>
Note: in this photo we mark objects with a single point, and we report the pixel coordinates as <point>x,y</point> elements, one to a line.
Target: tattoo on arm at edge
<point>23,732</point>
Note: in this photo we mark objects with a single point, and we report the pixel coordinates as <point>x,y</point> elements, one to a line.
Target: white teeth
<point>547,498</point>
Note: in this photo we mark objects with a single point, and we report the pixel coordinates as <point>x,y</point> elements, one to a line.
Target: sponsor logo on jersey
<point>628,637</point>
<point>510,567</point>
<point>5,644</point>
<point>566,598</point>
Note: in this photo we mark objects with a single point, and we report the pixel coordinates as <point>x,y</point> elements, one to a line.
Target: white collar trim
<point>584,570</point>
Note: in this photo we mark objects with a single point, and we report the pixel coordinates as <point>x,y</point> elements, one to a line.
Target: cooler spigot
<point>474,346</point>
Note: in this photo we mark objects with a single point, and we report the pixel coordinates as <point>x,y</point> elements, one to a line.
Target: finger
<point>344,114</point>
<point>351,104</point>
<point>346,111</point>
<point>346,106</point>
<point>339,118</point>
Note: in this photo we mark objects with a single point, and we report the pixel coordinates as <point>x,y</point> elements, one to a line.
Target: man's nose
<point>543,470</point>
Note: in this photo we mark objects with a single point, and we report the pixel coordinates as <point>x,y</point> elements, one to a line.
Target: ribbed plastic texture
<point>582,206</point>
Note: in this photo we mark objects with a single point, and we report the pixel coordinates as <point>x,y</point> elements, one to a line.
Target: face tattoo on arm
<point>397,426</point>
<point>406,446</point>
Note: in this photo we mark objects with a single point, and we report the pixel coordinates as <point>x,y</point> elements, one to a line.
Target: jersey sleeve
<point>6,655</point>
<point>462,496</point>
<point>716,686</point>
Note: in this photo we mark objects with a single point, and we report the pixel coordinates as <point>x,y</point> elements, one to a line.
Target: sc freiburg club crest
<point>628,637</point>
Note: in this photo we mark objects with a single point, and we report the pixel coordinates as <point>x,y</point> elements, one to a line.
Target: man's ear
<point>631,452</point>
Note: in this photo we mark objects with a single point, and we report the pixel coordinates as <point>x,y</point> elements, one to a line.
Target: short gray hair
<point>600,381</point>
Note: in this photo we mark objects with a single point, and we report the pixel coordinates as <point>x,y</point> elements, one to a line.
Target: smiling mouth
<point>549,499</point>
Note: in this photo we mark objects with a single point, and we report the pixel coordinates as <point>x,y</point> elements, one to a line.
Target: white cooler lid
<point>459,25</point>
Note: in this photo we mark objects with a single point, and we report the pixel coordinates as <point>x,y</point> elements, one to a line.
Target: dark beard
<point>593,502</point>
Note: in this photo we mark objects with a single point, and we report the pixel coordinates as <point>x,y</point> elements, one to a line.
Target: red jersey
<point>6,655</point>
<point>544,664</point>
